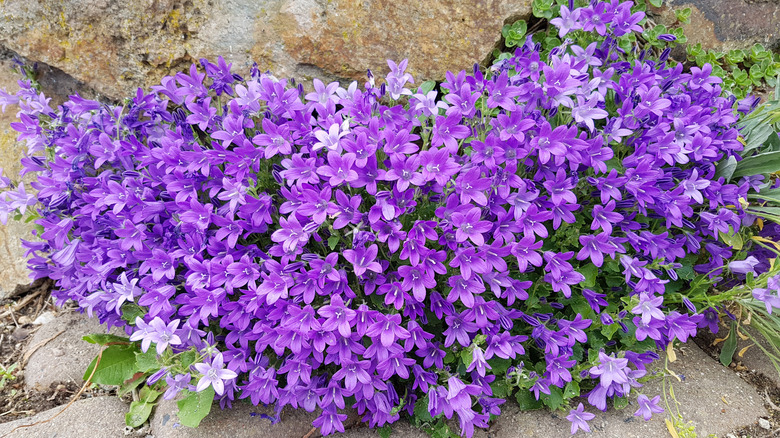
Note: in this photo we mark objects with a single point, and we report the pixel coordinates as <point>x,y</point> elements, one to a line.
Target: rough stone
<point>753,357</point>
<point>243,419</point>
<point>727,24</point>
<point>66,356</point>
<point>13,263</point>
<point>99,416</point>
<point>118,46</point>
<point>711,397</point>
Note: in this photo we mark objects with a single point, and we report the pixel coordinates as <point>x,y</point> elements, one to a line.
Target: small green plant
<point>675,422</point>
<point>7,374</point>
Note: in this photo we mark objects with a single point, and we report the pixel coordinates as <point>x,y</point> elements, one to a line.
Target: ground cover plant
<point>534,231</point>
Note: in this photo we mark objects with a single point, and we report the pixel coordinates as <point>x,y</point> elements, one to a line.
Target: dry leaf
<point>742,351</point>
<point>670,352</point>
<point>718,341</point>
<point>723,397</point>
<point>670,427</point>
<point>674,375</point>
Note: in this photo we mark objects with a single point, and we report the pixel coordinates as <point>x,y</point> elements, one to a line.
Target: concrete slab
<point>243,420</point>
<point>65,356</point>
<point>102,417</point>
<point>712,398</point>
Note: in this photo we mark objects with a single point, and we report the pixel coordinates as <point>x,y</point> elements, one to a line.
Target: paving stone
<point>701,394</point>
<point>243,420</point>
<point>754,358</point>
<point>65,357</point>
<point>100,417</point>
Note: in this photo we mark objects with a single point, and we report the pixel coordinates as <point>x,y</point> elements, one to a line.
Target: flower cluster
<point>383,247</point>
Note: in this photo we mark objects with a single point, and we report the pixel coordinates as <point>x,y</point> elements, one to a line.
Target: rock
<point>13,263</point>
<point>99,416</point>
<point>754,357</point>
<point>701,394</point>
<point>44,318</point>
<point>66,356</point>
<point>764,423</point>
<point>244,420</point>
<point>118,46</point>
<point>727,24</point>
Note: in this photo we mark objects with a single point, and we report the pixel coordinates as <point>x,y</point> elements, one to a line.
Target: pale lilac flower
<point>579,419</point>
<point>648,407</point>
<point>214,374</point>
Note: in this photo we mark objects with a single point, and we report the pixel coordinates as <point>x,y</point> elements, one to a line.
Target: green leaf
<point>466,356</point>
<point>735,56</point>
<point>730,346</point>
<point>148,394</point>
<point>117,365</point>
<point>732,239</point>
<point>426,86</point>
<point>126,388</point>
<point>683,15</point>
<point>527,401</point>
<point>105,338</point>
<point>571,390</point>
<point>195,407</point>
<point>421,410</point>
<point>726,168</point>
<point>188,358</point>
<point>385,431</point>
<point>501,389</point>
<point>656,3</point>
<point>554,399</point>
<point>147,361</point>
<point>591,272</point>
<point>333,241</point>
<point>609,330</point>
<point>620,402</point>
<point>138,414</point>
<point>758,164</point>
<point>131,311</point>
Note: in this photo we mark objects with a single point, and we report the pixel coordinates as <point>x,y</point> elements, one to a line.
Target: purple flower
<point>176,384</point>
<point>156,331</point>
<point>363,259</point>
<point>338,316</point>
<point>610,369</point>
<point>568,21</point>
<point>469,226</point>
<point>214,375</point>
<point>579,419</point>
<point>339,168</point>
<point>648,407</point>
<point>744,266</point>
<point>770,298</point>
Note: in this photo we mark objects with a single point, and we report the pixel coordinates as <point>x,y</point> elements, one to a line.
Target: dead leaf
<point>742,351</point>
<point>670,352</point>
<point>723,397</point>
<point>670,427</point>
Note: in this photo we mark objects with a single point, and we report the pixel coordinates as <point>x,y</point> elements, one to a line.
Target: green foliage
<point>117,365</point>
<point>194,408</point>
<point>105,339</point>
<point>141,409</point>
<point>514,34</point>
<point>542,8</point>
<point>7,374</point>
<point>730,346</point>
<point>742,71</point>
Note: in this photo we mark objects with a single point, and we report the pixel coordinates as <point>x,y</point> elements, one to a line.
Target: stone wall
<point>115,46</point>
<point>111,47</point>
